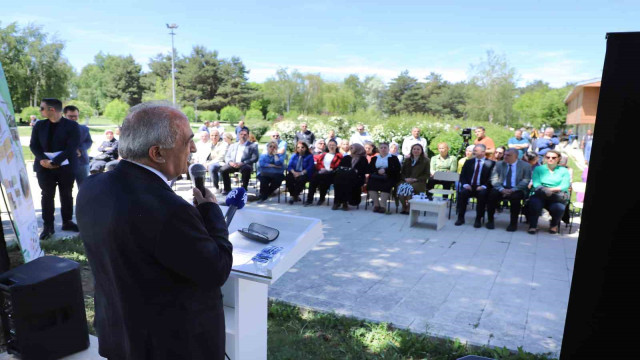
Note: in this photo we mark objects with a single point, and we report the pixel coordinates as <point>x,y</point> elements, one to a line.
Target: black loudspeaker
<point>42,309</point>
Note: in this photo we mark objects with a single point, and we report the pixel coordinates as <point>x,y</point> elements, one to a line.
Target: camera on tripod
<point>466,134</point>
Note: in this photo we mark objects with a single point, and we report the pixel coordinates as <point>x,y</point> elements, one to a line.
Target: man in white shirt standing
<point>360,136</point>
<point>409,141</point>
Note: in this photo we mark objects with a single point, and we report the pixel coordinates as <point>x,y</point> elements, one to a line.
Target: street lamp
<point>173,68</point>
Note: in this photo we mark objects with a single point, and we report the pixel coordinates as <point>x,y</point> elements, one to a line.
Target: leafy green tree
<point>253,114</point>
<point>189,112</point>
<point>234,89</point>
<point>33,65</point>
<point>357,89</point>
<point>116,111</point>
<point>398,87</point>
<point>198,78</point>
<point>110,77</point>
<point>542,106</point>
<point>491,90</point>
<point>208,115</point>
<point>282,90</point>
<point>373,91</point>
<point>230,114</point>
<point>261,104</point>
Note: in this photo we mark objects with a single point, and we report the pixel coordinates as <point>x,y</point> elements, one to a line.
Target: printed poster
<point>14,178</point>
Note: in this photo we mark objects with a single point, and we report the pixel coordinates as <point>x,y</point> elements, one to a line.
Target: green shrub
<point>27,112</point>
<point>86,111</point>
<point>230,114</point>
<point>271,116</point>
<point>207,115</point>
<point>258,127</point>
<point>190,113</point>
<point>253,114</point>
<point>452,138</point>
<point>116,111</point>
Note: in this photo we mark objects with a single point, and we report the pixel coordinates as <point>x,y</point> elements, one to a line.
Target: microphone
<point>236,199</point>
<point>198,175</point>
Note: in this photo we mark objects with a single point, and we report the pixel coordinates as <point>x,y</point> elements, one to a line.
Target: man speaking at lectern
<point>158,261</point>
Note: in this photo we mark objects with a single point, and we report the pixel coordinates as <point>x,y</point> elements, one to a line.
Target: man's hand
<point>381,172</point>
<point>79,153</point>
<point>467,186</point>
<point>47,164</point>
<point>506,192</point>
<point>199,199</point>
<point>481,187</point>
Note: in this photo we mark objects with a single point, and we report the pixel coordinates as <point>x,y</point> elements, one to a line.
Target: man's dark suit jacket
<point>65,139</point>
<point>466,176</point>
<point>249,156</point>
<point>158,264</point>
<point>523,175</point>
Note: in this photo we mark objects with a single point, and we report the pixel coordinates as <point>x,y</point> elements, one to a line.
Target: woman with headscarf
<point>415,172</point>
<point>394,149</point>
<point>349,178</point>
<point>384,174</point>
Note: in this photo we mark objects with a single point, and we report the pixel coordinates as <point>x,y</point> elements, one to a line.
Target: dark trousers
<point>463,198</point>
<point>213,170</point>
<point>48,179</point>
<point>446,185</point>
<point>80,173</point>
<point>536,204</point>
<point>515,199</point>
<point>322,182</point>
<point>269,183</point>
<point>245,170</point>
<point>97,166</point>
<point>295,185</point>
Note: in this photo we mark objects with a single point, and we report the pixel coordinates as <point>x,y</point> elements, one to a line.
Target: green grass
<point>26,152</point>
<point>70,248</point>
<point>296,333</point>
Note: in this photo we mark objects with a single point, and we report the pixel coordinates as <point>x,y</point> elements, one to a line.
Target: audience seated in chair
<point>415,171</point>
<point>322,178</point>
<point>384,174</point>
<point>510,181</point>
<point>108,152</point>
<point>270,171</point>
<point>349,178</point>
<point>299,171</point>
<point>239,157</point>
<point>442,162</point>
<point>550,191</point>
<point>217,154</point>
<point>475,182</point>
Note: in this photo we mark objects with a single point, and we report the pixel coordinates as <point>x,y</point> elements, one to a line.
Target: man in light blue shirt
<point>519,143</point>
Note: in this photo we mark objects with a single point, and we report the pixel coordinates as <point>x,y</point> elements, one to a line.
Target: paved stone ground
<point>482,286</point>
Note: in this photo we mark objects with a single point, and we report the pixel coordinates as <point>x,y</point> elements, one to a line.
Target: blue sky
<point>556,41</point>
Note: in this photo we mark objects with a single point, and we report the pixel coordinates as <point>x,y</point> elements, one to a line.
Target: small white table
<point>436,206</point>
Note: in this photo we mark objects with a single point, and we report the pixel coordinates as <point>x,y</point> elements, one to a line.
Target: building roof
<point>580,85</point>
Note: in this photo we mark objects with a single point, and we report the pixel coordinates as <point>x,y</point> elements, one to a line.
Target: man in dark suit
<point>474,182</point>
<point>509,180</point>
<point>82,170</point>
<point>158,261</point>
<point>240,157</point>
<point>54,142</point>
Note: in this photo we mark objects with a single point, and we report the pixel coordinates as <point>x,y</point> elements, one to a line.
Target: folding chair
<point>445,176</point>
<point>576,206</point>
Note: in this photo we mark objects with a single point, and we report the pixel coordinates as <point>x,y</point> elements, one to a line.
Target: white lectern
<point>246,291</point>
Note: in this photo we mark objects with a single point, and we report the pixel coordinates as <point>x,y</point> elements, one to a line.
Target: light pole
<point>173,68</point>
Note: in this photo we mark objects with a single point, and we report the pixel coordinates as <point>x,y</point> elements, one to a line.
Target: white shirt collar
<point>161,175</point>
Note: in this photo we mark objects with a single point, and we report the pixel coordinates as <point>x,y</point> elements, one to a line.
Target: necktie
<point>475,173</point>
<point>509,173</point>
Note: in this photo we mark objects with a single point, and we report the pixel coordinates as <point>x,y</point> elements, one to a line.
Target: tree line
<point>209,87</point>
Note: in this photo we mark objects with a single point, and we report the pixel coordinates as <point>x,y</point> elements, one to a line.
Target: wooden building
<point>582,103</point>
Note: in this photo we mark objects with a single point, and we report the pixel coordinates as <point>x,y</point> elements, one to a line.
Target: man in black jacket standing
<point>54,142</point>
<point>158,261</point>
<point>474,182</point>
